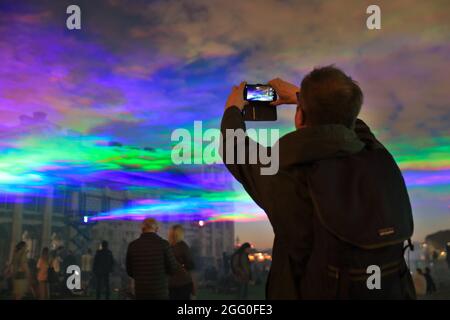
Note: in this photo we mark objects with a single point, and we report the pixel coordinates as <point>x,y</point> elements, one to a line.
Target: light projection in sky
<point>137,70</point>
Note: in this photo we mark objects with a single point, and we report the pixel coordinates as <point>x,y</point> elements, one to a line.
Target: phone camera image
<point>259,93</point>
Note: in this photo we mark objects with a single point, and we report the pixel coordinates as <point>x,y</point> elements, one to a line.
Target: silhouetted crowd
<point>159,268</point>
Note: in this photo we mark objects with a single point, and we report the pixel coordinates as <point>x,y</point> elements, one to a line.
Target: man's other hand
<point>286,91</point>
<point>236,97</point>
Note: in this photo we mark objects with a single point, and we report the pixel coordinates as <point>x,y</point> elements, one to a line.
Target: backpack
<point>360,229</point>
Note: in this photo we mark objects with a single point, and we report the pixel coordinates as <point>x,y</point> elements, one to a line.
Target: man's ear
<point>299,118</point>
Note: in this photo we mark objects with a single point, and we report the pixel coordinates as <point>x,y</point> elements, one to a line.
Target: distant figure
<point>103,266</point>
<point>7,284</point>
<point>56,262</point>
<point>21,271</point>
<point>435,256</point>
<point>68,259</point>
<point>86,269</point>
<point>240,265</point>
<point>33,283</point>
<point>431,286</point>
<point>43,266</point>
<point>447,250</point>
<point>420,283</point>
<point>149,262</point>
<point>181,285</point>
<point>226,263</point>
<point>54,273</point>
<point>211,276</point>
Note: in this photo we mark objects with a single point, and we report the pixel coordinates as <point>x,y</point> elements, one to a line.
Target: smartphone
<point>259,97</point>
<point>259,93</point>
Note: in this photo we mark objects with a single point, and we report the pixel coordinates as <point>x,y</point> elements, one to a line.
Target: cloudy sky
<point>139,69</point>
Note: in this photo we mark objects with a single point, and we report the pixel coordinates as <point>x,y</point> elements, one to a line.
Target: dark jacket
<point>103,262</point>
<point>149,262</point>
<point>329,169</point>
<point>241,267</point>
<point>183,255</point>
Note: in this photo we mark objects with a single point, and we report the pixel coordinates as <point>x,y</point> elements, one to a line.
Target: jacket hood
<point>315,143</point>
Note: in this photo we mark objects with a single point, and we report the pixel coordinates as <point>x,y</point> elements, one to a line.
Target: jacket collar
<point>148,234</point>
<point>316,143</point>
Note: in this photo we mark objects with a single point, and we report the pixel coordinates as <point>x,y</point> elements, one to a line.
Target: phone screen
<point>257,92</point>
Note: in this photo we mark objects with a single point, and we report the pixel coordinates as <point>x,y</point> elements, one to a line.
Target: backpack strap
<point>408,245</point>
<point>411,248</point>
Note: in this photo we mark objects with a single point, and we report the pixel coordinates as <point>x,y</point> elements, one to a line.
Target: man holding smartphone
<point>338,205</point>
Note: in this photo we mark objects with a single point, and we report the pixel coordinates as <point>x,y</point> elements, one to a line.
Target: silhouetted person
<point>447,250</point>
<point>20,271</point>
<point>240,264</point>
<point>333,193</point>
<point>103,266</point>
<point>435,256</point>
<point>181,284</point>
<point>420,283</point>
<point>68,260</point>
<point>86,270</point>
<point>43,267</point>
<point>431,286</point>
<point>54,273</point>
<point>226,263</point>
<point>149,262</point>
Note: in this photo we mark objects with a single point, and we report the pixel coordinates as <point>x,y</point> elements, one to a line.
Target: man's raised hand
<point>286,91</point>
<point>236,97</point>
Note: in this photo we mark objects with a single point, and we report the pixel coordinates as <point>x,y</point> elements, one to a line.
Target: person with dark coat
<point>103,266</point>
<point>149,262</point>
<point>181,284</point>
<point>226,263</point>
<point>240,264</point>
<point>447,250</point>
<point>68,260</point>
<point>333,194</point>
<point>431,286</point>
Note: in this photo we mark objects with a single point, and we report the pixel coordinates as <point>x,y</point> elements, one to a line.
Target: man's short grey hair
<point>149,224</point>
